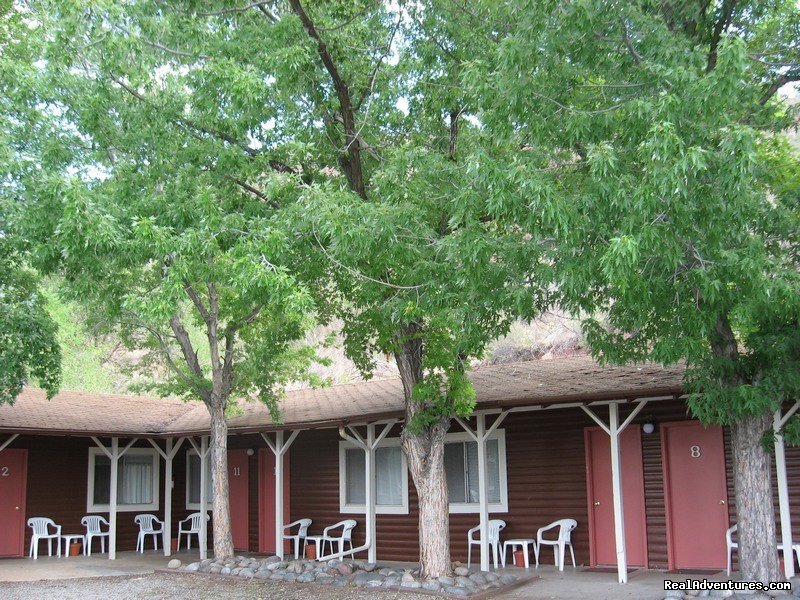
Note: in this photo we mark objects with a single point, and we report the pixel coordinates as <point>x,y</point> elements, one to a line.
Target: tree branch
<point>198,303</point>
<point>368,90</point>
<point>188,351</point>
<point>720,26</point>
<point>253,190</point>
<point>778,84</point>
<point>352,162</point>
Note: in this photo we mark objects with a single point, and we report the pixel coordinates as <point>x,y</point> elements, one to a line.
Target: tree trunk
<point>425,455</point>
<point>758,558</point>
<point>752,476</point>
<point>424,450</point>
<point>223,538</point>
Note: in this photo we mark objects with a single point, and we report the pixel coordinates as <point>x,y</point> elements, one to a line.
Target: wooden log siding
<point>546,471</point>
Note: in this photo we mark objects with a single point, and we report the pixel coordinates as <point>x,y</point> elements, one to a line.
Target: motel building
<point>614,448</point>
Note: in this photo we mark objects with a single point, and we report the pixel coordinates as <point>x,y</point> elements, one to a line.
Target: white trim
<point>194,505</point>
<point>381,509</point>
<point>494,507</point>
<point>91,507</point>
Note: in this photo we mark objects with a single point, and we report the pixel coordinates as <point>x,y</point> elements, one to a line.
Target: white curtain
<point>355,469</point>
<point>136,479</point>
<point>389,476</point>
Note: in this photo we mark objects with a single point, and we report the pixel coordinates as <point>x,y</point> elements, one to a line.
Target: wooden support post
<point>483,501</point>
<point>614,429</point>
<point>168,456</point>
<point>5,444</point>
<point>779,421</point>
<point>203,537</point>
<point>112,508</point>
<point>279,449</point>
<point>371,490</point>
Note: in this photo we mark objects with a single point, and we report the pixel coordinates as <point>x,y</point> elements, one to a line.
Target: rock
<point>345,569</point>
<point>263,574</point>
<point>431,585</point>
<point>362,578</point>
<point>225,571</point>
<point>491,576</point>
<point>374,583</point>
<point>323,578</point>
<point>464,582</point>
<point>674,594</point>
<point>271,559</point>
<point>462,571</point>
<point>407,576</point>
<point>215,570</point>
<point>391,581</point>
<point>478,579</point>
<point>456,590</point>
<point>173,564</point>
<point>248,573</point>
<point>339,582</point>
<point>333,563</point>
<point>507,579</point>
<point>305,578</point>
<point>192,567</point>
<point>369,567</point>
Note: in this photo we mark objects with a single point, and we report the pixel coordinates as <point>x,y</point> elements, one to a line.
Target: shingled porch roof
<point>537,382</point>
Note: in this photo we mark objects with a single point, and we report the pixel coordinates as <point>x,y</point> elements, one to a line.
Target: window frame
<point>196,505</point>
<point>91,507</point>
<point>475,507</point>
<point>380,509</point>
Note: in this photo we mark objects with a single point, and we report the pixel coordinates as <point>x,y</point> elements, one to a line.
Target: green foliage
<point>661,133</point>
<point>28,345</point>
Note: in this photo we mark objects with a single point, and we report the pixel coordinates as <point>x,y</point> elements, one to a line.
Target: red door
<point>266,500</point>
<point>602,542</point>
<point>13,474</point>
<point>238,482</point>
<point>695,494</point>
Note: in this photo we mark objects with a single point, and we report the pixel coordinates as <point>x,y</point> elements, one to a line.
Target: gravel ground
<point>161,586</point>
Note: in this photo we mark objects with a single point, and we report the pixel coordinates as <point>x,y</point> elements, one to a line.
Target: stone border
<point>464,583</point>
<point>423,592</point>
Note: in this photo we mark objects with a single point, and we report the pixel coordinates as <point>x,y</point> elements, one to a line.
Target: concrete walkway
<point>97,565</point>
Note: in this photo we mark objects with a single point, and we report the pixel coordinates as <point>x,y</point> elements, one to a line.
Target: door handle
<point>16,507</point>
<point>597,503</point>
<point>722,501</point>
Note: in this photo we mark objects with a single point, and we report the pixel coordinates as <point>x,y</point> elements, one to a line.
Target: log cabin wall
<point>546,474</point>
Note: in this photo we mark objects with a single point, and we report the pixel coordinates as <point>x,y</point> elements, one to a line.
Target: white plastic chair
<point>193,523</point>
<point>494,526</point>
<point>565,528</point>
<point>302,532</point>
<point>731,545</point>
<point>41,531</point>
<point>147,526</point>
<point>346,537</point>
<point>94,528</point>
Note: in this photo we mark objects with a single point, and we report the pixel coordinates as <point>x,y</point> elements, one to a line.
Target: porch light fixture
<point>649,426</point>
<point>250,452</point>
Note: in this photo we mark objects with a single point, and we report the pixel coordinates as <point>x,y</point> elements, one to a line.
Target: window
<point>391,479</point>
<point>137,481</point>
<point>461,468</point>
<point>193,481</point>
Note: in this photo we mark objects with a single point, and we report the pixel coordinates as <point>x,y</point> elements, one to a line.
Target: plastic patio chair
<point>730,545</point>
<point>94,528</point>
<point>346,536</point>
<point>41,531</point>
<point>192,527</point>
<point>302,532</point>
<point>565,529</point>
<point>495,526</point>
<point>148,525</point>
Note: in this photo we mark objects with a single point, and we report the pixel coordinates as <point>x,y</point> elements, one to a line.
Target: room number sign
<point>694,452</point>
<point>237,471</point>
<point>4,472</point>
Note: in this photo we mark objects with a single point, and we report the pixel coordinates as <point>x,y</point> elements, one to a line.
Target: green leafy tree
<point>146,208</point>
<point>658,127</point>
<point>219,144</point>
